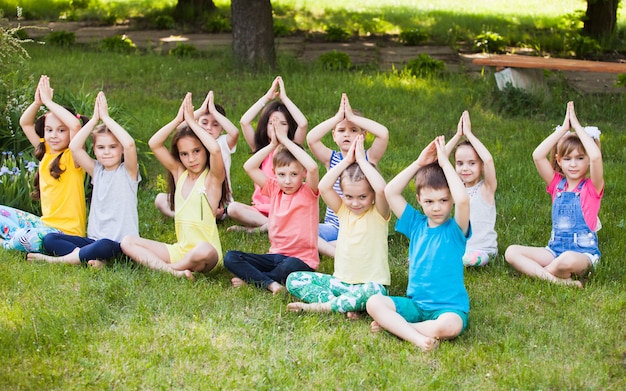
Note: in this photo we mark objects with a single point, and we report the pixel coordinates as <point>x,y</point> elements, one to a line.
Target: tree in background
<point>253,34</point>
<point>601,18</point>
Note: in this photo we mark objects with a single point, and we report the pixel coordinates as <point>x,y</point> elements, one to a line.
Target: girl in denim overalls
<point>573,246</point>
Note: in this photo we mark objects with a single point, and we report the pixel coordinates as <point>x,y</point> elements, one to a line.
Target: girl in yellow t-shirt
<point>59,182</point>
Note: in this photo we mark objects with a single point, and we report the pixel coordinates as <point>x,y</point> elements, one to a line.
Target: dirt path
<point>386,54</point>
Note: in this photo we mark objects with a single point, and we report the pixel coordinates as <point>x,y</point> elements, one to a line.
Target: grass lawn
<point>127,327</point>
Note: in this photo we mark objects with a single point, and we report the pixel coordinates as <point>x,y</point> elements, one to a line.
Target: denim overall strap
<point>570,232</point>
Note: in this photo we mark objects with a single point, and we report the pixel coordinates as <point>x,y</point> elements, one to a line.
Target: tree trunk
<point>601,18</point>
<point>191,10</point>
<point>253,34</point>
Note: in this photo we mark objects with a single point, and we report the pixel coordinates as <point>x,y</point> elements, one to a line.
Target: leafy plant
<point>183,50</point>
<point>425,66</point>
<point>281,29</point>
<point>118,44</point>
<point>336,34</point>
<point>621,80</point>
<point>490,42</point>
<point>61,38</point>
<point>582,45</point>
<point>217,23</point>
<point>413,37</point>
<point>164,22</point>
<point>16,177</point>
<point>516,102</point>
<point>335,61</point>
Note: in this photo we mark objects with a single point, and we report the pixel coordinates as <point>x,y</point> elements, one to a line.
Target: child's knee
<point>375,303</point>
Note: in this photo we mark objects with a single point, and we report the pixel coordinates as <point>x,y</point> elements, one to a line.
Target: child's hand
<point>96,109</point>
<point>45,91</point>
<point>467,125</point>
<point>442,156</point>
<point>272,93</point>
<point>341,113</point>
<point>428,155</point>
<point>103,107</point>
<point>280,130</point>
<point>271,133</point>
<point>281,87</point>
<point>348,109</point>
<point>210,103</point>
<point>359,151</point>
<point>188,108</point>
<point>572,116</point>
<point>205,104</point>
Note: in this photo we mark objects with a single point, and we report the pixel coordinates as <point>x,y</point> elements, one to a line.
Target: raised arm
<point>328,193</point>
<point>27,120</point>
<point>540,154</point>
<point>73,124</point>
<point>314,138</point>
<point>295,112</point>
<point>394,189</point>
<point>128,143</point>
<point>312,170</point>
<point>456,138</point>
<point>379,146</point>
<point>157,143</point>
<point>246,119</point>
<point>374,178</point>
<point>457,189</point>
<point>591,149</point>
<point>77,144</point>
<point>232,133</point>
<point>253,164</point>
<point>489,168</point>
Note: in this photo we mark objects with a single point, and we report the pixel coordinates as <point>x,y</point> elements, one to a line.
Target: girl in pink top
<point>282,111</point>
<point>573,246</point>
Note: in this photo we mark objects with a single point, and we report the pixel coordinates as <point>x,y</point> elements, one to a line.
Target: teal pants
<point>313,287</point>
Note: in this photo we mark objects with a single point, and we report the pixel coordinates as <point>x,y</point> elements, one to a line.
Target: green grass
<point>127,327</point>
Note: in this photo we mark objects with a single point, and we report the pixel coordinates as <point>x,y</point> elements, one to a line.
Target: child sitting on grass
<point>361,260</point>
<point>475,167</point>
<point>437,304</point>
<point>292,219</point>
<point>115,178</point>
<point>346,125</point>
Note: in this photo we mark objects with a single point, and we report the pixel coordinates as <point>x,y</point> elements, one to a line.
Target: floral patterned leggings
<point>22,231</point>
<point>313,287</point>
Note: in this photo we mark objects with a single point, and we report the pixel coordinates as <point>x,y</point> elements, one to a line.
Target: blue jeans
<point>263,269</point>
<point>61,244</point>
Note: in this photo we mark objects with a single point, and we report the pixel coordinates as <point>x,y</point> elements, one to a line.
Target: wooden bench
<point>526,71</point>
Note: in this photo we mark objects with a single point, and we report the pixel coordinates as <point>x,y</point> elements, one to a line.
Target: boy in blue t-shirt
<point>437,304</point>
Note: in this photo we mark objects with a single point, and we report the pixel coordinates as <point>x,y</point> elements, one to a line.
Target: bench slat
<point>517,61</point>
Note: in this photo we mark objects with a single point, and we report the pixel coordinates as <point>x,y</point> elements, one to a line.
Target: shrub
<point>281,29</point>
<point>516,102</point>
<point>425,66</point>
<point>335,61</point>
<point>164,22</point>
<point>336,34</point>
<point>183,50</point>
<point>413,37</point>
<point>489,42</point>
<point>61,38</point>
<point>218,23</point>
<point>621,80</point>
<point>118,44</point>
<point>582,45</point>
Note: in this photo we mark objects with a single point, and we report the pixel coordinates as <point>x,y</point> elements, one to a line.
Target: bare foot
<point>295,307</point>
<point>249,230</point>
<point>275,288</point>
<point>353,315</point>
<point>428,344</point>
<point>237,282</point>
<point>189,275</point>
<point>375,327</point>
<point>96,264</point>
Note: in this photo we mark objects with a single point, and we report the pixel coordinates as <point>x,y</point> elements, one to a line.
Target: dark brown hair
<point>430,176</point>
